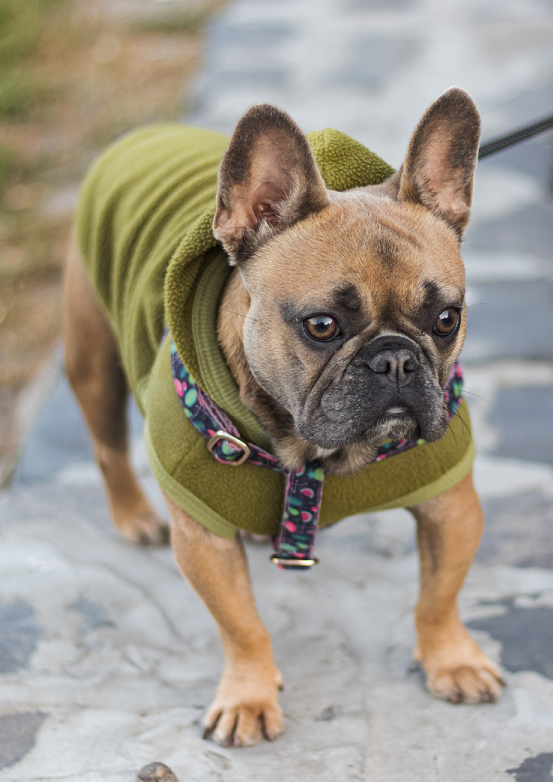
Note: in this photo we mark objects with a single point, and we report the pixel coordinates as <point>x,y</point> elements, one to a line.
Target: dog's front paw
<point>470,683</point>
<point>245,709</point>
<point>459,672</point>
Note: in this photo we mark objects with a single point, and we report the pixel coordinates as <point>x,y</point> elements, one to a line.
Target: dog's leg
<point>246,704</point>
<point>95,373</point>
<point>449,528</point>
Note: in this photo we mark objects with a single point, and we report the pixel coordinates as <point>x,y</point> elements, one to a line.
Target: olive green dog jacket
<point>144,225</point>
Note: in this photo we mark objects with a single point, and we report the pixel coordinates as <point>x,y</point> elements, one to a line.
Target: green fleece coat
<point>144,229</point>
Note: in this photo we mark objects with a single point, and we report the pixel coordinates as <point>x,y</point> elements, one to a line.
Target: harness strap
<point>304,487</point>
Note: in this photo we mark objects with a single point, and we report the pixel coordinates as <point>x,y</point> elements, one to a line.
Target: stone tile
<point>527,231</point>
<point>60,437</point>
<point>510,320</point>
<point>17,735</point>
<point>256,77</point>
<point>536,769</point>
<point>523,418</point>
<point>373,59</point>
<point>253,36</point>
<point>532,158</point>
<point>500,191</point>
<point>497,11</point>
<point>500,478</point>
<point>243,56</point>
<point>383,5</point>
<point>343,638</point>
<point>493,267</point>
<point>525,634</point>
<point>94,614</point>
<point>518,531</point>
<point>19,637</point>
<point>532,103</point>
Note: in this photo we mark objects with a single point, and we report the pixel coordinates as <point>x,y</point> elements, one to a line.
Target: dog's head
<point>357,308</point>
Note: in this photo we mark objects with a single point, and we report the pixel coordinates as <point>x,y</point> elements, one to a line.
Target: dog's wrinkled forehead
<point>362,253</point>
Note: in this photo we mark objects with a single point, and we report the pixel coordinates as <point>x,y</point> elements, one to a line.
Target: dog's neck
<point>290,448</point>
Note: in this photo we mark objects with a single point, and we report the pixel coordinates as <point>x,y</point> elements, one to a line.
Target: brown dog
<point>338,298</point>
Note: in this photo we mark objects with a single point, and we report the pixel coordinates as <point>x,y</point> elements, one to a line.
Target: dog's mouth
<point>396,423</point>
<point>396,410</point>
<point>342,427</point>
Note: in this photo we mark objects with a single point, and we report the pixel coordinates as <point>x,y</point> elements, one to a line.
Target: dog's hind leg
<point>94,370</point>
<point>449,528</point>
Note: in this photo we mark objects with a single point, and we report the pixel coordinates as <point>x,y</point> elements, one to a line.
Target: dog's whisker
<point>238,314</point>
<point>453,434</point>
<point>465,425</point>
<point>271,414</point>
<point>471,393</point>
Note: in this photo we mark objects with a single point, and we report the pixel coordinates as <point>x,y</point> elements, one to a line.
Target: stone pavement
<point>107,658</point>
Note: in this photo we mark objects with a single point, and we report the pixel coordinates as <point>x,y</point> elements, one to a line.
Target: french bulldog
<point>340,323</point>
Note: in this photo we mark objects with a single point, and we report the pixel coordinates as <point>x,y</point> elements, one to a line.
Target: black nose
<point>395,361</point>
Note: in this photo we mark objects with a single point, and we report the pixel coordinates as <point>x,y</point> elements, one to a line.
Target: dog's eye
<point>322,328</point>
<point>447,322</point>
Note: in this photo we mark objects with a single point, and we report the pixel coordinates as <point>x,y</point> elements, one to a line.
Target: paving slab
<point>510,320</point>
<point>528,230</point>
<point>525,418</point>
<point>122,650</point>
<point>517,531</point>
<point>108,659</point>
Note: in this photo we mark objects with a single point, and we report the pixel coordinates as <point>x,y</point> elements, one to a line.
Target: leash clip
<point>221,435</point>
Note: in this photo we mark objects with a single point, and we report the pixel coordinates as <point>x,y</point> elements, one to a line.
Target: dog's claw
<point>208,730</point>
<point>268,736</point>
<point>232,739</point>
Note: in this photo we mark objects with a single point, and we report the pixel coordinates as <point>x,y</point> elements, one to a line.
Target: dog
<point>340,323</point>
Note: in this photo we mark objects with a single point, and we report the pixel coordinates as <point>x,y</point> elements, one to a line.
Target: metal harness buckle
<point>293,562</point>
<point>220,435</point>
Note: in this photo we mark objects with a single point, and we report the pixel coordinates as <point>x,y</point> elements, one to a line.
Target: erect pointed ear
<point>439,167</point>
<point>268,180</point>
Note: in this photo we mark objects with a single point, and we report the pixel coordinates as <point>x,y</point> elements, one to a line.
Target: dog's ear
<point>439,167</point>
<point>268,180</point>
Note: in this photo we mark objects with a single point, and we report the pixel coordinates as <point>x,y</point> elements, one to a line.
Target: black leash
<point>497,144</point>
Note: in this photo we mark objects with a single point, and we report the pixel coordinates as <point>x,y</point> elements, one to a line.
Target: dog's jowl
<point>288,312</point>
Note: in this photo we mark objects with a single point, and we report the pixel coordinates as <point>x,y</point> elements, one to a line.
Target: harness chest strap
<point>304,487</point>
